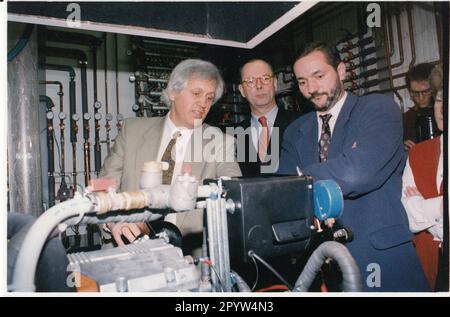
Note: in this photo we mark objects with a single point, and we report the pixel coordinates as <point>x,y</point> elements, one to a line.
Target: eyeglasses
<point>251,82</point>
<point>425,92</point>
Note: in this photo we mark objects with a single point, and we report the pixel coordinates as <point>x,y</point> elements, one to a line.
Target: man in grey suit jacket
<point>193,87</point>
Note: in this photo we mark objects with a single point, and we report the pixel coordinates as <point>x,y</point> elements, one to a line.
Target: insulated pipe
<point>180,196</point>
<point>27,259</point>
<point>350,272</point>
<point>141,216</point>
<point>24,156</point>
<point>50,148</point>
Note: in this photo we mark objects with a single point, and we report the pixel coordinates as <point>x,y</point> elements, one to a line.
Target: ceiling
<point>234,24</point>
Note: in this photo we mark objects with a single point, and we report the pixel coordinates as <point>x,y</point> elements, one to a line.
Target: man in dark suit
<point>267,122</point>
<point>356,141</point>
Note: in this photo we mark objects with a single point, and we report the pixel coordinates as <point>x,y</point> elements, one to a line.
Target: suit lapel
<point>307,142</point>
<point>339,132</point>
<point>195,157</point>
<point>147,149</point>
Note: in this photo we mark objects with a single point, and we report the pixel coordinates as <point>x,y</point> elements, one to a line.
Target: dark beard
<point>331,100</point>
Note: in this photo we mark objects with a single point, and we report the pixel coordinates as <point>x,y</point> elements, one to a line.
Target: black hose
<point>21,43</point>
<point>278,275</point>
<point>241,285</point>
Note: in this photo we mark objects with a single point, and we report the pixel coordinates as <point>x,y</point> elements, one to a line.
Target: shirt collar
<point>271,116</point>
<point>170,127</point>
<point>336,109</point>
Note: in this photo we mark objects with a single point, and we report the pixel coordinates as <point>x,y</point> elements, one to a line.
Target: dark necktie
<point>264,137</point>
<point>325,137</point>
<point>169,158</point>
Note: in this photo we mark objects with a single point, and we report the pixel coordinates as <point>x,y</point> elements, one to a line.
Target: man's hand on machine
<point>128,231</point>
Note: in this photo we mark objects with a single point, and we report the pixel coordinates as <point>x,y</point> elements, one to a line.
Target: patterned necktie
<point>169,158</point>
<point>264,138</point>
<point>325,138</point>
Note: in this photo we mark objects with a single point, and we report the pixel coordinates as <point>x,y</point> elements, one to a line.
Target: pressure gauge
<point>87,116</point>
<point>98,116</point>
<point>97,105</point>
<point>75,117</point>
<point>62,115</point>
<point>50,115</point>
<point>109,117</point>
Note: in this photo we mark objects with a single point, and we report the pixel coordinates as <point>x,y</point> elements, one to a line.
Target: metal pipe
<point>97,117</point>
<point>361,54</point>
<point>74,131</point>
<point>107,124</point>
<point>72,96</point>
<point>62,126</point>
<point>116,53</point>
<point>24,158</point>
<point>391,80</point>
<point>438,27</point>
<point>50,149</point>
<point>411,38</point>
<point>400,43</point>
<point>82,60</point>
<point>212,243</point>
<point>361,43</point>
<point>63,52</point>
<point>86,148</point>
<point>390,32</point>
<point>72,37</point>
<point>225,246</point>
<point>220,263</point>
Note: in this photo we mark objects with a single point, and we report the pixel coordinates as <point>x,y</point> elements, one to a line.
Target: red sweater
<point>424,160</point>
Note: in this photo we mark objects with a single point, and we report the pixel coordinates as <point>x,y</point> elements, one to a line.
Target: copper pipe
<point>411,38</point>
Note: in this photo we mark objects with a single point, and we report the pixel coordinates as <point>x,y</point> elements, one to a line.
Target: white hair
<point>192,68</point>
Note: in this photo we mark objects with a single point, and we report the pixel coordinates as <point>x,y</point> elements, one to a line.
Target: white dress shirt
<point>180,146</point>
<point>424,214</point>
<point>256,126</point>
<point>334,115</point>
<point>180,150</point>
